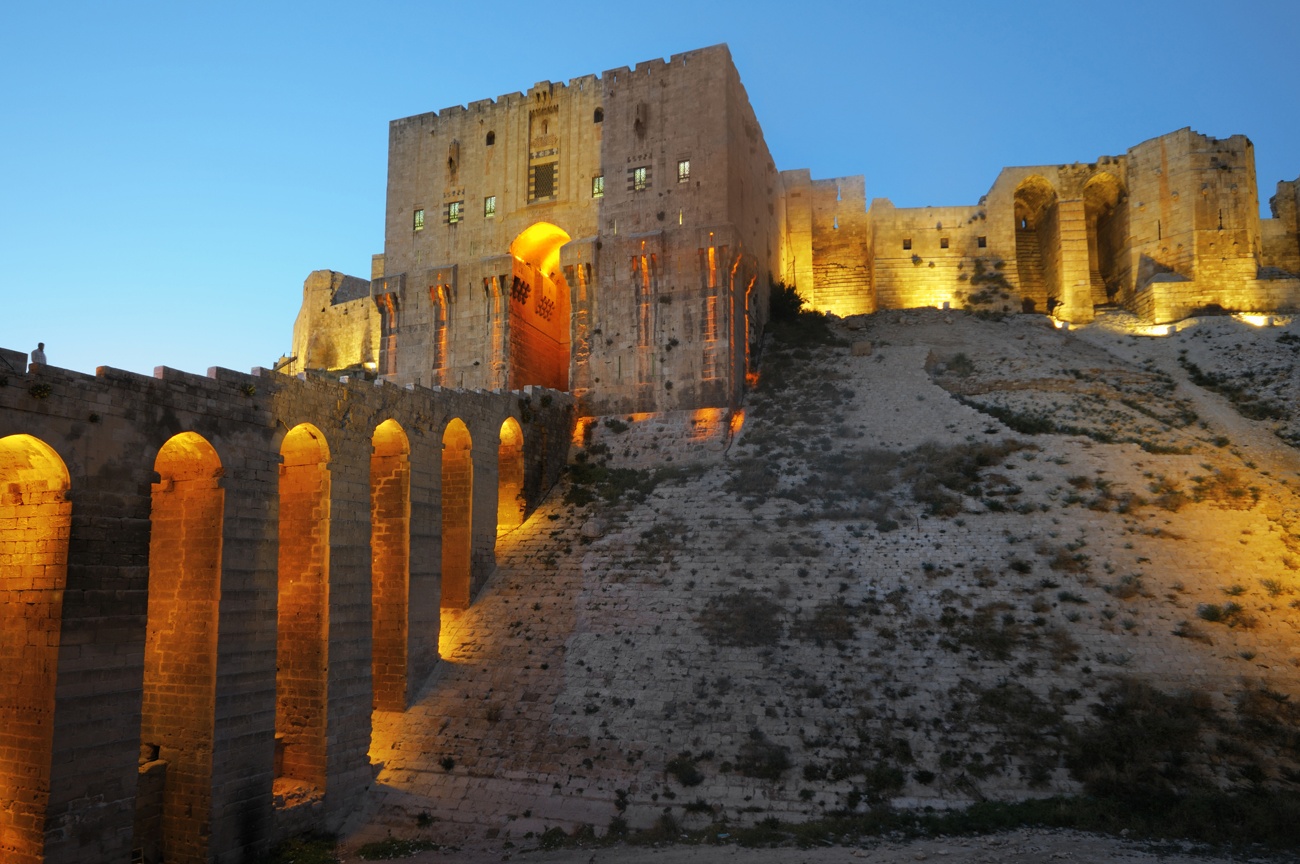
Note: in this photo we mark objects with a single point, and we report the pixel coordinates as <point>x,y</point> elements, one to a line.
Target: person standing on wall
<point>38,356</point>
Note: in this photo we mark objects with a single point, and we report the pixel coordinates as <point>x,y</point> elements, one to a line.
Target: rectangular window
<point>417,221</point>
<point>683,171</point>
<point>455,212</point>
<point>598,186</point>
<point>542,181</point>
<point>489,206</point>
<point>943,242</point>
<point>981,242</point>
<point>907,244</point>
<point>640,178</point>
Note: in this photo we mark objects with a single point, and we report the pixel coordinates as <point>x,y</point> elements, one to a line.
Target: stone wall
<point>180,514</point>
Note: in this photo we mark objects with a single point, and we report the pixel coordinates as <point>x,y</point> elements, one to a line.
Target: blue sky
<point>173,171</point>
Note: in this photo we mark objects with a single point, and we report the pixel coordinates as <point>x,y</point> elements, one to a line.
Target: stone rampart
<point>182,534</point>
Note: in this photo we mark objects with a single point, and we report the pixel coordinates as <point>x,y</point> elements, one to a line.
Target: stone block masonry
<point>209,583</point>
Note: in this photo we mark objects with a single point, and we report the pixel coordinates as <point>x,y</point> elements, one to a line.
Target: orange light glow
<point>737,421</point>
<point>580,427</point>
<point>35,522</point>
<point>510,477</point>
<point>705,423</point>
<point>1255,320</point>
<point>540,245</point>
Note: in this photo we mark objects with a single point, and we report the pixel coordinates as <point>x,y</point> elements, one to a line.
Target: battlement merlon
<point>619,75</point>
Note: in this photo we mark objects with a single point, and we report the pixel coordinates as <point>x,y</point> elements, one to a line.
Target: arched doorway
<point>1037,244</point>
<point>390,548</point>
<point>457,514</point>
<point>35,522</point>
<point>1107,236</point>
<point>174,804</point>
<point>539,345</point>
<point>301,696</point>
<point>510,477</point>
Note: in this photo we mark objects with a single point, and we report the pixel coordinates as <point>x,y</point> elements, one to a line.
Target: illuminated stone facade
<point>1169,228</point>
<point>615,237</point>
<point>207,584</point>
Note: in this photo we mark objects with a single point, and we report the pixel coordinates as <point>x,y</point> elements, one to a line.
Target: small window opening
<point>417,221</point>
<point>598,186</point>
<point>598,116</point>
<point>491,138</point>
<point>943,242</point>
<point>907,243</point>
<point>455,211</point>
<point>684,173</point>
<point>640,178</point>
<point>489,206</point>
<point>981,242</point>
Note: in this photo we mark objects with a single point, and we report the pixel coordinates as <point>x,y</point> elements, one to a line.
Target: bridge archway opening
<point>174,798</point>
<point>390,552</point>
<point>457,514</point>
<point>303,613</point>
<point>510,474</point>
<point>539,349</point>
<point>35,523</point>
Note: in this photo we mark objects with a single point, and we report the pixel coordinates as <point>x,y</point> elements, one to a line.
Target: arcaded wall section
<point>510,477</point>
<point>111,430</point>
<point>35,520</point>
<point>390,555</point>
<point>181,648</point>
<point>457,515</point>
<point>302,628</point>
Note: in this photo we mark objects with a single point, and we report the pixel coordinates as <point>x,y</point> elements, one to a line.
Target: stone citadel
<point>211,582</point>
<point>616,236</point>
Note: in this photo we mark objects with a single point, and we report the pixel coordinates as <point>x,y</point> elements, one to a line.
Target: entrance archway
<point>302,631</point>
<point>174,803</point>
<point>1037,243</point>
<point>539,347</point>
<point>510,477</point>
<point>390,548</point>
<point>35,522</point>
<point>457,514</point>
<point>1107,236</point>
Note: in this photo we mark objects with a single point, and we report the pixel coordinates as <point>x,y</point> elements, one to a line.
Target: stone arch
<point>390,555</point>
<point>35,523</point>
<point>174,801</point>
<point>302,618</point>
<point>1107,223</point>
<point>457,514</point>
<point>510,477</point>
<point>538,349</point>
<point>1038,246</point>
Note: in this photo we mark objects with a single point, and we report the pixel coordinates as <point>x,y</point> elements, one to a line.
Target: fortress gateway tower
<point>614,237</point>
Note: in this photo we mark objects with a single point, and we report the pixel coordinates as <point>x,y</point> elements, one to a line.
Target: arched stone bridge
<point>208,583</point>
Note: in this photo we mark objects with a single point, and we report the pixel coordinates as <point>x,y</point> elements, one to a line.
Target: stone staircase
<point>1029,265</point>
